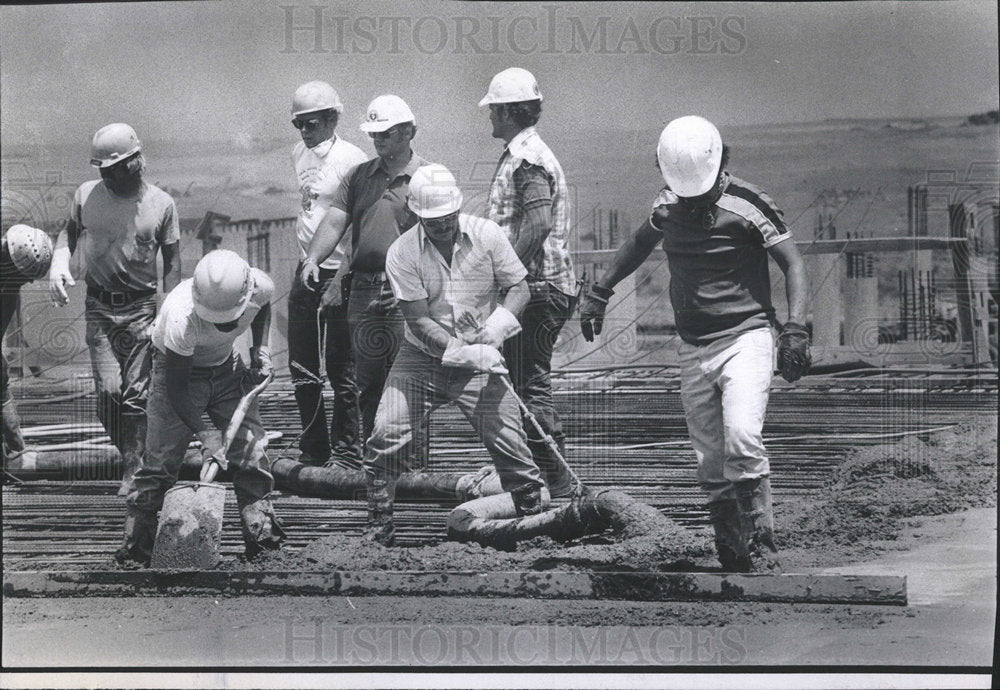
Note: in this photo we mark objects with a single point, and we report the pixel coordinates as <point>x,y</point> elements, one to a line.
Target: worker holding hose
<point>446,271</point>
<point>196,369</point>
<point>26,255</point>
<point>718,232</point>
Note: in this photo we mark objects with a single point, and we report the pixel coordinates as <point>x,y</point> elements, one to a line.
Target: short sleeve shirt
<point>483,262</point>
<point>719,279</point>
<point>121,236</point>
<point>376,209</point>
<point>320,171</point>
<point>180,329</point>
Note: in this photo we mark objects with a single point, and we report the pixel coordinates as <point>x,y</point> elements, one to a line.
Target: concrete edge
<point>630,586</point>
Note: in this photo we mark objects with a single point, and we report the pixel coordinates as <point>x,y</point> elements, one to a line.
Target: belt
<point>119,299</point>
<point>370,276</point>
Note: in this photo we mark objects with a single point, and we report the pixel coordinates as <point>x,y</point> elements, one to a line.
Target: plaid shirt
<point>505,207</point>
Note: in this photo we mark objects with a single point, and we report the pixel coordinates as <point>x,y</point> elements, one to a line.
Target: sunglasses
<point>307,125</point>
<point>392,131</point>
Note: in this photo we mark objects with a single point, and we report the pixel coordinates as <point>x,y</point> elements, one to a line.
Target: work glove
<point>384,303</point>
<point>211,447</point>
<point>59,278</point>
<point>477,357</point>
<point>260,364</point>
<point>793,351</point>
<point>592,311</point>
<point>499,326</point>
<point>309,274</point>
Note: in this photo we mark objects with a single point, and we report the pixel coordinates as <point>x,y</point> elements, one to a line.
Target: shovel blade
<point>190,527</point>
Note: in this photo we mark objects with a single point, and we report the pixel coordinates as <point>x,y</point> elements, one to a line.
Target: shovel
<point>190,527</point>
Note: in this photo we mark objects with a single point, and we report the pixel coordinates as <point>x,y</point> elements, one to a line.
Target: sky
<point>224,71</point>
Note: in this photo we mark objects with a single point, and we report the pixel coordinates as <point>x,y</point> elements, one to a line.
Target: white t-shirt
<point>180,329</point>
<point>320,170</point>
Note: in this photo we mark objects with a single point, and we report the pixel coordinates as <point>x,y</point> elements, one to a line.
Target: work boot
<point>138,538</point>
<point>725,516</point>
<point>133,431</point>
<point>381,492</point>
<point>757,524</point>
<point>557,478</point>
<point>261,528</point>
<point>527,500</point>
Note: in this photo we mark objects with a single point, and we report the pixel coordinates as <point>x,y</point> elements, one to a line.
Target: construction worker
<point>196,369</point>
<point>315,317</point>
<point>530,201</point>
<point>371,200</point>
<point>26,256</point>
<point>124,222</point>
<point>446,272</point>
<point>718,232</point>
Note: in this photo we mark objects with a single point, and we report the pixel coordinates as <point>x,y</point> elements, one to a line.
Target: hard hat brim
<point>108,162</point>
<point>381,126</point>
<point>337,108</point>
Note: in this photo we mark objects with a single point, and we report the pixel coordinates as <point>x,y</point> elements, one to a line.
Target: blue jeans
<point>303,348</point>
<point>529,358</point>
<point>419,384</point>
<point>724,390</point>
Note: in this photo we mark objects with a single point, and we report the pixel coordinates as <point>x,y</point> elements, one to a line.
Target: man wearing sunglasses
<point>371,200</point>
<point>321,161</point>
<point>123,222</point>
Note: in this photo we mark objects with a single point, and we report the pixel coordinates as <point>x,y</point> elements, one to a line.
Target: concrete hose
<point>348,484</point>
<point>491,521</point>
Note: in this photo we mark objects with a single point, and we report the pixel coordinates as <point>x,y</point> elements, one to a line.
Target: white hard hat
<point>112,144</point>
<point>30,250</point>
<point>513,85</point>
<point>689,153</point>
<point>434,192</point>
<point>385,112</point>
<point>222,286</point>
<point>314,96</point>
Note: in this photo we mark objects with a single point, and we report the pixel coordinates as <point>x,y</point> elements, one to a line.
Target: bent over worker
<point>446,272</point>
<point>123,221</point>
<point>196,369</point>
<point>26,256</point>
<point>718,232</point>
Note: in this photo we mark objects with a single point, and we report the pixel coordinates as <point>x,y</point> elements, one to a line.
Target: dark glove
<point>592,311</point>
<point>260,364</point>
<point>793,351</point>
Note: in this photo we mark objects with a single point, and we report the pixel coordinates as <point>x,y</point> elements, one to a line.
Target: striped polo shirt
<point>719,279</point>
<point>527,148</point>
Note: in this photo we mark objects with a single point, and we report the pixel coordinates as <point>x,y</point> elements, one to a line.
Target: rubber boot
<point>757,524</point>
<point>261,528</point>
<point>725,516</point>
<point>133,431</point>
<point>381,492</point>
<point>527,500</point>
<point>138,538</point>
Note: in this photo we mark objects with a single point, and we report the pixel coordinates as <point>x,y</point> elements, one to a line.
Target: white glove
<point>500,325</point>
<point>478,357</point>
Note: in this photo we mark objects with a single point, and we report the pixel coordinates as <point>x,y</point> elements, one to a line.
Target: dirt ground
<point>925,508</point>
